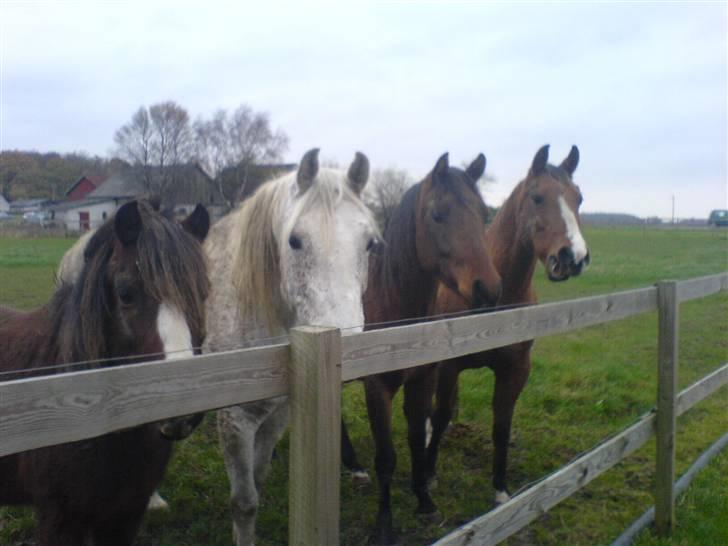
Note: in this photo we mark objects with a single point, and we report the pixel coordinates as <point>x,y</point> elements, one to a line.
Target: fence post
<point>315,441</point>
<point>667,363</point>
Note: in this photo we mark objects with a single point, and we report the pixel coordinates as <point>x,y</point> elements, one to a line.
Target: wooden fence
<point>43,411</point>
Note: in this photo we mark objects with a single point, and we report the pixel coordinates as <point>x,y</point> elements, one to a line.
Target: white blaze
<point>578,245</point>
<point>174,333</point>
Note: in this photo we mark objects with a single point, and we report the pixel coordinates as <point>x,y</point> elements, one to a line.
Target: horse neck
<point>28,340</point>
<point>512,254</point>
<point>398,286</point>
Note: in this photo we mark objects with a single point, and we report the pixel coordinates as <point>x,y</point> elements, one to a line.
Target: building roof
<point>95,180</point>
<point>190,184</point>
<point>79,204</point>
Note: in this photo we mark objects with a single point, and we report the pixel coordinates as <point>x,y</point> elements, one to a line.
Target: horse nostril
<point>566,256</point>
<point>481,295</point>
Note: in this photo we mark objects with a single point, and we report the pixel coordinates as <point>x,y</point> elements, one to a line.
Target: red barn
<point>82,187</point>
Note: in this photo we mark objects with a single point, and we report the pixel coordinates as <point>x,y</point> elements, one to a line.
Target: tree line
<point>155,143</point>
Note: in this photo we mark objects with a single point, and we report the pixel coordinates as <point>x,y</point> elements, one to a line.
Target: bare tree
<point>157,140</point>
<point>385,191</point>
<point>134,143</point>
<point>234,142</point>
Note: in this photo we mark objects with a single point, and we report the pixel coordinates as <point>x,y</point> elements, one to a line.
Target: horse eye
<point>294,242</point>
<point>580,200</point>
<point>372,244</point>
<point>538,199</point>
<point>126,295</point>
<point>438,217</point>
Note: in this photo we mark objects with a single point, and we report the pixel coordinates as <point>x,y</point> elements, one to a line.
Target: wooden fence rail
<point>42,411</point>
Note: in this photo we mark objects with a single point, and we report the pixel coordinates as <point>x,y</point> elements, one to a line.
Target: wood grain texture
<point>701,389</point>
<point>702,286</point>
<point>667,363</point>
<point>315,441</point>
<point>402,347</point>
<point>522,509</point>
<point>73,406</point>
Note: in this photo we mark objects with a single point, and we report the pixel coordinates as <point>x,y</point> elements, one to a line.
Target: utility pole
<point>673,208</point>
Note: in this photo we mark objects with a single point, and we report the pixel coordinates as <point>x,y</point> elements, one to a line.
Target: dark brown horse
<point>141,292</point>
<point>539,222</point>
<point>434,236</point>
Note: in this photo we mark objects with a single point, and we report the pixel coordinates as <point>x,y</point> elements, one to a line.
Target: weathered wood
<point>702,286</point>
<point>66,407</point>
<point>522,509</point>
<point>667,361</point>
<point>402,347</point>
<point>315,442</point>
<point>702,389</point>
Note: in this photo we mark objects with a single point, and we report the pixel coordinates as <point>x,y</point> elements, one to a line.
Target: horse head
<point>142,291</point>
<point>549,212</point>
<point>324,234</point>
<point>450,234</point>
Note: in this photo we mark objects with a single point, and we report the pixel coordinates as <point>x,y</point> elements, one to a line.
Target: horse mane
<point>399,252</point>
<point>256,263</point>
<point>172,268</point>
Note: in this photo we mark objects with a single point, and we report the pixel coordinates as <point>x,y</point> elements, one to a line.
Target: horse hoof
<point>360,477</point>
<point>432,483</point>
<point>501,497</point>
<point>156,502</point>
<point>426,509</point>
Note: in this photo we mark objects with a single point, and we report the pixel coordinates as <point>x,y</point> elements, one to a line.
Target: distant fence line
<point>42,411</point>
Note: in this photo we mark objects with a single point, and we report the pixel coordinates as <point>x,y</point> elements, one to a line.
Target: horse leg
<point>266,438</point>
<point>417,408</point>
<point>57,528</point>
<point>237,440</point>
<point>447,387</point>
<point>510,378</point>
<point>379,408</point>
<point>349,459</point>
<point>119,531</point>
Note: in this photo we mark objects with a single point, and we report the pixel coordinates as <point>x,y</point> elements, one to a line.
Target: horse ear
<point>540,160</point>
<point>197,224</point>
<point>442,165</point>
<point>308,169</point>
<point>128,223</point>
<point>572,160</point>
<point>358,173</point>
<point>476,168</point>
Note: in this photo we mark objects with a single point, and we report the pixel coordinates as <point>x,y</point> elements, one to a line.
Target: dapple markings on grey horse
<point>294,253</point>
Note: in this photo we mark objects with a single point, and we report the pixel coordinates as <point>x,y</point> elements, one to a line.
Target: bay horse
<point>140,294</point>
<point>435,235</point>
<point>293,253</point>
<point>70,268</point>
<point>539,222</point>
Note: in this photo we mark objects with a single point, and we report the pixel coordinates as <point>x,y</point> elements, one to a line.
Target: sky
<point>639,87</point>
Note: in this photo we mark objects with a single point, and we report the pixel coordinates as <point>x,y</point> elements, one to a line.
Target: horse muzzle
<point>180,428</point>
<point>564,265</point>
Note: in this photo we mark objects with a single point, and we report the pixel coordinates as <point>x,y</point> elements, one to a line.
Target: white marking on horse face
<point>174,333</point>
<point>501,497</point>
<point>578,244</point>
<point>323,282</point>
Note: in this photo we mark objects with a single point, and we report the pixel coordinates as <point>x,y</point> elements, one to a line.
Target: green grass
<point>585,386</point>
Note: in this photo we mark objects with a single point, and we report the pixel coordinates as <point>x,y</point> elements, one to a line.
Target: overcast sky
<point>639,87</point>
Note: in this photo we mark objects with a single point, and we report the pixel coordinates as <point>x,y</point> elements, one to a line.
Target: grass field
<point>585,386</point>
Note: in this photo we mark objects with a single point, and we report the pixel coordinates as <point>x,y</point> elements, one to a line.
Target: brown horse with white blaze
<point>539,222</point>
<point>139,296</point>
<point>434,236</point>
